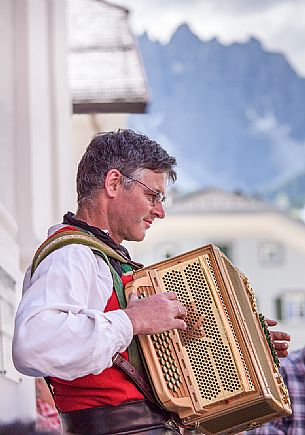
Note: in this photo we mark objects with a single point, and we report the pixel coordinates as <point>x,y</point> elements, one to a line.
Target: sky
<point>278,24</point>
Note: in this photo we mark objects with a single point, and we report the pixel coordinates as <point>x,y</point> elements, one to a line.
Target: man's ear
<point>112,182</point>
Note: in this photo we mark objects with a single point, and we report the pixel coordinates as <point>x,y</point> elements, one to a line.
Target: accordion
<point>220,375</point>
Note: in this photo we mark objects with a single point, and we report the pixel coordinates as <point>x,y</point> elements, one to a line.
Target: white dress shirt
<point>61,329</point>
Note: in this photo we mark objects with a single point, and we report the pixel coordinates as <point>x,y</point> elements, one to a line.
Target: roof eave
<point>111,107</point>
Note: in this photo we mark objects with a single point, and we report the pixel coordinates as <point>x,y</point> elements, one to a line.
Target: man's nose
<point>158,211</point>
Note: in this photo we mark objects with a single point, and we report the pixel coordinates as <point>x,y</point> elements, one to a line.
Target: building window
<point>226,248</point>
<point>290,306</point>
<point>271,253</point>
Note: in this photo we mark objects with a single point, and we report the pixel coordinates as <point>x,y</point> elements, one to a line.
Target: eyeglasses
<point>156,198</point>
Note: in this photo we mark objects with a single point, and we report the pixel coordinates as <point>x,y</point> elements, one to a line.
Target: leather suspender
<point>140,382</point>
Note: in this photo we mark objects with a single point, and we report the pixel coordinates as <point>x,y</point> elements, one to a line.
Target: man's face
<point>134,212</point>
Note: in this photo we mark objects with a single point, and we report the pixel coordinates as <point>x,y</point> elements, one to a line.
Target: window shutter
<point>279,308</point>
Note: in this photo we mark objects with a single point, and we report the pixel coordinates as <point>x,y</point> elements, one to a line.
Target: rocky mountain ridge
<point>234,115</point>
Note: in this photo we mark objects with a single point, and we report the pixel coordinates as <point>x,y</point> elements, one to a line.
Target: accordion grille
<point>229,321</point>
<point>210,354</point>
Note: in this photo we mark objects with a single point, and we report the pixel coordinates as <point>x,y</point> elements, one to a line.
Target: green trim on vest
<point>133,349</point>
<point>69,237</point>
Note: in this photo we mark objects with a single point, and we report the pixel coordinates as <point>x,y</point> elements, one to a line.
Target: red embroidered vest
<point>111,387</point>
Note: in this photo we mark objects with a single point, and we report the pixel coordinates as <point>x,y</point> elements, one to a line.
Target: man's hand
<point>279,339</point>
<point>155,314</point>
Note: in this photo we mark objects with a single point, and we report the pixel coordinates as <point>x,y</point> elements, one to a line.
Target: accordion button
<point>170,385</point>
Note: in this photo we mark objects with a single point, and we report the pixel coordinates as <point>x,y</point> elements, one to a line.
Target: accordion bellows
<point>220,375</point>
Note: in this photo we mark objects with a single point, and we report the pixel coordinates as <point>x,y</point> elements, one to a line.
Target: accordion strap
<point>138,379</point>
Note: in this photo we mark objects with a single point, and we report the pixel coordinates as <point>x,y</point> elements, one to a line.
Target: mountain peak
<point>254,42</point>
<point>184,35</point>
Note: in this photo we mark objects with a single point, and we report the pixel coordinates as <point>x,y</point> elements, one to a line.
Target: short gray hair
<point>125,150</point>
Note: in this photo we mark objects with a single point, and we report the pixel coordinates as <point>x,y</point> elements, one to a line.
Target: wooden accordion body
<point>219,375</point>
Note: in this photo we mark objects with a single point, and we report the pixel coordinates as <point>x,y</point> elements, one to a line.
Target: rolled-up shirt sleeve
<point>61,329</point>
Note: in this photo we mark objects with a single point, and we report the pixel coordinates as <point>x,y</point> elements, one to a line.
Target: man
<point>293,372</point>
<point>71,324</point>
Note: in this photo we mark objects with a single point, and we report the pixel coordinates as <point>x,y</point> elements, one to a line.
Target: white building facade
<point>35,181</point>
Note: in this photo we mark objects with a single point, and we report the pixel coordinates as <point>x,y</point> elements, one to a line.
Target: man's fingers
<point>282,353</point>
<point>280,339</point>
<point>279,345</point>
<point>132,298</point>
<point>181,312</point>
<point>179,324</point>
<point>171,295</point>
<point>270,322</point>
<point>279,335</point>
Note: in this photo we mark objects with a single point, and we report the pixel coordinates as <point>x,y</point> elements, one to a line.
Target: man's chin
<point>136,237</point>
